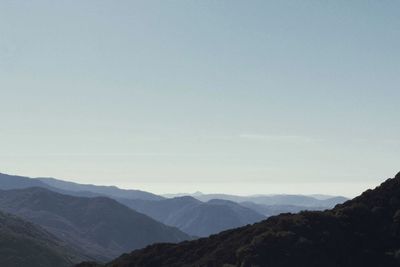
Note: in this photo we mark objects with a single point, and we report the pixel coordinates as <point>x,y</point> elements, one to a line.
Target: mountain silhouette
<point>99,190</point>
<point>19,182</point>
<point>364,231</point>
<point>74,189</point>
<point>281,199</point>
<point>186,213</point>
<point>195,217</point>
<point>100,226</point>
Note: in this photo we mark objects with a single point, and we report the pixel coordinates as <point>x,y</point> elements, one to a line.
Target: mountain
<point>173,195</point>
<point>272,210</point>
<point>364,231</point>
<point>195,217</point>
<point>99,190</point>
<point>71,188</point>
<point>19,182</point>
<point>188,214</point>
<point>23,244</point>
<point>100,226</point>
<point>281,199</point>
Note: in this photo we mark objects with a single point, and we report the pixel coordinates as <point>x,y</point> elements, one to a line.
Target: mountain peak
<point>197,193</point>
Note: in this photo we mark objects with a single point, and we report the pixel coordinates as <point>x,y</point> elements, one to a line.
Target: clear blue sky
<point>233,96</point>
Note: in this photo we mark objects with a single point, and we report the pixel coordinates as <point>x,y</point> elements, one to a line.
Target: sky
<point>244,97</point>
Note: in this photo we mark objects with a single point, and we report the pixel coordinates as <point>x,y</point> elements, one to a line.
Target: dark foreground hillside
<point>364,231</point>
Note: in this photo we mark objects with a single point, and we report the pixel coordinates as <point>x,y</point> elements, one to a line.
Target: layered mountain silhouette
<point>281,199</point>
<point>364,231</point>
<point>101,227</point>
<point>187,213</point>
<point>87,190</point>
<point>23,244</point>
<point>195,217</point>
<point>99,190</point>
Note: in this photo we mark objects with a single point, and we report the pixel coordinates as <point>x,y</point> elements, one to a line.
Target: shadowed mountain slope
<point>100,226</point>
<point>23,244</point>
<point>195,217</point>
<point>364,231</point>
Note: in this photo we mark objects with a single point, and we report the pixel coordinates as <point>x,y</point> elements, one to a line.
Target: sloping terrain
<point>187,213</point>
<point>272,210</point>
<point>19,182</point>
<point>70,188</point>
<point>364,231</point>
<point>100,226</point>
<point>195,217</point>
<point>99,190</point>
<point>281,199</point>
<point>23,244</point>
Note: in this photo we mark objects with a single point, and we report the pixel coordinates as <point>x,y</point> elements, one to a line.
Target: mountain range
<point>84,222</point>
<point>98,190</point>
<point>189,214</point>
<point>195,217</point>
<point>364,231</point>
<point>70,188</point>
<point>281,199</point>
<point>100,226</point>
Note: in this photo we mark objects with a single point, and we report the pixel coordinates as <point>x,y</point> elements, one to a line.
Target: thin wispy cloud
<point>279,138</point>
<point>149,154</point>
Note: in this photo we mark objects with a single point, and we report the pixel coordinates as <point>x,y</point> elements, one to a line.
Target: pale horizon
<point>348,189</point>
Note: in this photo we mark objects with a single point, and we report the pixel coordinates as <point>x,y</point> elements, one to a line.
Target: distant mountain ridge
<point>272,210</point>
<point>100,190</point>
<point>18,182</point>
<point>195,217</point>
<point>8,181</point>
<point>364,231</point>
<point>189,214</point>
<point>88,190</point>
<point>281,199</point>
